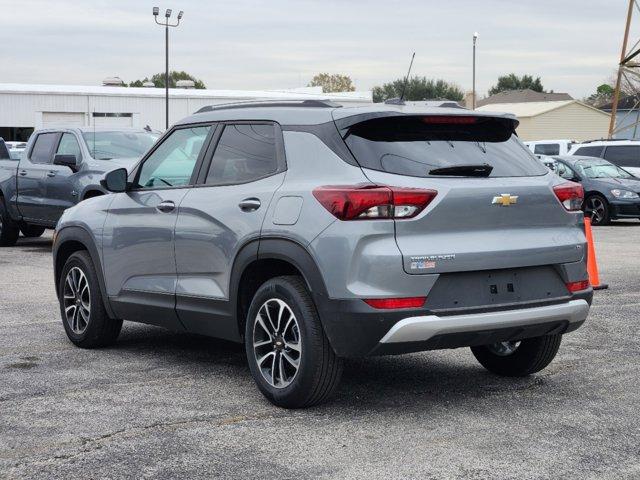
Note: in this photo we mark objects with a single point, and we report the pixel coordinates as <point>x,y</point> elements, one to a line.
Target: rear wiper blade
<point>480,170</point>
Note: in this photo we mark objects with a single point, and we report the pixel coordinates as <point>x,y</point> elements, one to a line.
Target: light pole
<point>473,94</point>
<point>166,24</point>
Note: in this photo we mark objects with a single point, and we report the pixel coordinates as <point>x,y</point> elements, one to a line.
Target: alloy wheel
<point>503,349</point>
<point>77,300</point>
<point>595,209</point>
<point>277,345</point>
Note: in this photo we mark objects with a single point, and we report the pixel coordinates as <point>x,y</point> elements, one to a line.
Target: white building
<point>25,107</point>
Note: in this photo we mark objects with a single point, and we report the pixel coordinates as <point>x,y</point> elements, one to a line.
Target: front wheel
<point>597,208</point>
<point>518,358</point>
<point>289,355</point>
<point>84,317</point>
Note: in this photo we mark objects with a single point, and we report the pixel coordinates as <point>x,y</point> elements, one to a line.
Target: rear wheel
<point>32,231</point>
<point>9,230</point>
<point>84,317</point>
<point>597,208</point>
<point>518,358</point>
<point>289,355</point>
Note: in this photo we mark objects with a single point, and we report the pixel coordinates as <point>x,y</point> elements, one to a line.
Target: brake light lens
<point>578,286</point>
<point>449,120</point>
<point>373,202</point>
<point>570,194</point>
<point>391,303</point>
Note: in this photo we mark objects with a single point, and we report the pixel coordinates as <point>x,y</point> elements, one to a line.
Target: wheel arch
<point>268,258</point>
<point>74,239</point>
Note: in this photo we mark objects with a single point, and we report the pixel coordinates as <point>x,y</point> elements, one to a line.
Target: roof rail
<point>605,140</point>
<point>268,103</point>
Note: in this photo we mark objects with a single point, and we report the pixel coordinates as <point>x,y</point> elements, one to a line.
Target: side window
<point>589,151</point>
<point>69,146</point>
<point>547,149</point>
<point>173,162</point>
<point>244,153</point>
<point>43,148</point>
<point>624,155</point>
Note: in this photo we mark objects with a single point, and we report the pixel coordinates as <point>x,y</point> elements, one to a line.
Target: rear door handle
<point>249,204</point>
<point>51,174</point>
<point>166,206</point>
<point>22,173</point>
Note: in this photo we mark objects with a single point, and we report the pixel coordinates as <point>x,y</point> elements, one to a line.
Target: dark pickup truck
<point>59,168</point>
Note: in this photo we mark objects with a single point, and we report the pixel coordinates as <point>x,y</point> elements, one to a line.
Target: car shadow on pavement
<point>414,381</point>
<point>41,244</point>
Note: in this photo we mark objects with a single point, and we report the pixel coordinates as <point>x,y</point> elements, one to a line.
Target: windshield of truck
<point>105,145</point>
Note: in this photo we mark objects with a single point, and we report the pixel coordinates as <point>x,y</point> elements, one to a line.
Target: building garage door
<point>55,119</point>
<point>112,119</point>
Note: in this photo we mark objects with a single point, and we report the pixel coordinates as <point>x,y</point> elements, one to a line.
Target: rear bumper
<point>357,330</point>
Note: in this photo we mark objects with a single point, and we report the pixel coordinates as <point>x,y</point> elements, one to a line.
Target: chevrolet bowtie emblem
<point>505,200</point>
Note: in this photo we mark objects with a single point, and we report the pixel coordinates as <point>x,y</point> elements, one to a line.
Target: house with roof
<point>523,96</point>
<point>627,117</point>
<point>543,120</point>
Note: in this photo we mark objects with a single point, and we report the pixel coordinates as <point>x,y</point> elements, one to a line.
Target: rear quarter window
<point>413,147</point>
<point>623,155</point>
<point>547,149</point>
<point>589,152</point>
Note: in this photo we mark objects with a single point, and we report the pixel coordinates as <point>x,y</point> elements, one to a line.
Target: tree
<point>514,82</point>
<point>418,88</point>
<point>174,76</point>
<point>332,82</point>
<point>603,95</point>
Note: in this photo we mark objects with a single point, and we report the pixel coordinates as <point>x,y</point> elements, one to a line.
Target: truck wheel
<point>9,230</point>
<point>518,358</point>
<point>32,231</point>
<point>81,305</point>
<point>289,355</point>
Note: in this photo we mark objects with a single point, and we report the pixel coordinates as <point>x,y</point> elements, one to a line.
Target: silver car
<point>312,233</point>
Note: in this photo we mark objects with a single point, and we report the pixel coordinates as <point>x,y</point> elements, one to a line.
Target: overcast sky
<point>574,45</point>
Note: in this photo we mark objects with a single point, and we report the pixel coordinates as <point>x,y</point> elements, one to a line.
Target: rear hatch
<point>495,206</point>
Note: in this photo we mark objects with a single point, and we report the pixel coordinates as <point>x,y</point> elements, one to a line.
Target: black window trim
<point>607,147</point>
<point>51,150</point>
<point>280,153</point>
<point>135,173</point>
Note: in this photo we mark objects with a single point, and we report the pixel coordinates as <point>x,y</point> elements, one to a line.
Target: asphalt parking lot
<point>165,405</point>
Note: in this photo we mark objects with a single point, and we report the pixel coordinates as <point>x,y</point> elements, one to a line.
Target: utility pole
<point>473,94</point>
<point>629,71</point>
<point>166,24</point>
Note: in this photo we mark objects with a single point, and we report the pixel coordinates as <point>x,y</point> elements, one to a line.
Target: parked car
<point>16,145</point>
<point>59,168</point>
<point>610,192</point>
<point>623,153</point>
<point>313,233</point>
<point>550,147</point>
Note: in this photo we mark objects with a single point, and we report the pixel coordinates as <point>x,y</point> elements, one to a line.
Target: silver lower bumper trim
<point>416,329</point>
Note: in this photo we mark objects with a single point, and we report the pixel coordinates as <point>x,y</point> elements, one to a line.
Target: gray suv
<point>313,233</point>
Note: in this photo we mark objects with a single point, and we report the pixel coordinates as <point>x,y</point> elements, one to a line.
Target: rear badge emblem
<point>505,200</point>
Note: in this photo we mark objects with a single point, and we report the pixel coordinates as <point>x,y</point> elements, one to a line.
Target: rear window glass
<point>414,146</point>
<point>624,155</point>
<point>547,149</point>
<point>41,152</point>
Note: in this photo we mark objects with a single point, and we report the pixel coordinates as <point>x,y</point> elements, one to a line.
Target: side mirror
<point>65,160</point>
<point>115,181</point>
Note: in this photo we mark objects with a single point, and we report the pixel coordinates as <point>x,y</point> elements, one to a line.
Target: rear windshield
<point>414,146</point>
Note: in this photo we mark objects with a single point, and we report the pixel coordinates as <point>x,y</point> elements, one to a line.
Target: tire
<point>299,337</point>
<point>597,207</point>
<point>86,327</point>
<point>9,230</point>
<point>32,231</point>
<point>529,356</point>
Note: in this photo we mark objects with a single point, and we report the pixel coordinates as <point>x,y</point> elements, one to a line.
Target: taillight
<point>372,202</point>
<point>577,286</point>
<point>449,120</point>
<point>570,194</point>
<point>390,303</point>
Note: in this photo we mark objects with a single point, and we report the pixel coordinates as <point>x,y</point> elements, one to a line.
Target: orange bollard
<point>592,264</point>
